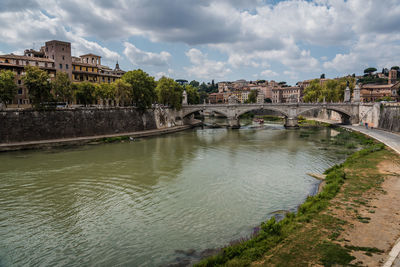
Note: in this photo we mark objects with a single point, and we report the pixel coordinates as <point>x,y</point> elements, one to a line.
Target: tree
<point>85,93</point>
<point>142,86</point>
<point>369,71</point>
<point>169,93</point>
<point>194,83</point>
<point>322,76</point>
<point>37,82</point>
<point>267,100</point>
<point>253,96</point>
<point>123,92</point>
<point>192,95</point>
<point>395,68</point>
<point>104,92</point>
<point>203,96</point>
<point>8,88</point>
<point>62,88</point>
<point>203,87</point>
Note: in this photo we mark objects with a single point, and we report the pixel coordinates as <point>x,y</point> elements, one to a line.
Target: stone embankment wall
<point>389,117</point>
<point>30,125</point>
<point>323,114</point>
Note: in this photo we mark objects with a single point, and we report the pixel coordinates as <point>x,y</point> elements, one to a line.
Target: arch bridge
<point>291,111</point>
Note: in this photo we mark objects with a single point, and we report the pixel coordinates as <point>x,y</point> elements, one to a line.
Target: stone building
<point>292,94</point>
<point>375,92</point>
<point>17,64</point>
<point>54,57</point>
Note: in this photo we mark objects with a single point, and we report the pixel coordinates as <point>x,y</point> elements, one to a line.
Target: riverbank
<point>6,147</point>
<point>337,226</point>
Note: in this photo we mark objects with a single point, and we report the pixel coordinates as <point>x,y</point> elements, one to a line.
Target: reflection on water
<point>138,203</point>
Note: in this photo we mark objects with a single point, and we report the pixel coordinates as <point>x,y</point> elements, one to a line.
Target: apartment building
<point>54,57</point>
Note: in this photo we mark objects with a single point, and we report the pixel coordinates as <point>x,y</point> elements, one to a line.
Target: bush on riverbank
<point>272,233</point>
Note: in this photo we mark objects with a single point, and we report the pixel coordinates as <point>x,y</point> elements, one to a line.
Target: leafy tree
<point>395,68</point>
<point>267,100</point>
<point>369,71</point>
<point>194,83</point>
<point>8,88</point>
<point>330,91</point>
<point>62,88</point>
<point>105,92</point>
<point>322,76</point>
<point>37,82</point>
<point>252,96</point>
<point>142,86</point>
<point>123,92</point>
<point>203,96</point>
<point>204,87</point>
<point>85,93</point>
<point>169,92</point>
<point>192,94</point>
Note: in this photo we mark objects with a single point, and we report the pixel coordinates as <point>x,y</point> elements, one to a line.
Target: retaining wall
<point>30,125</point>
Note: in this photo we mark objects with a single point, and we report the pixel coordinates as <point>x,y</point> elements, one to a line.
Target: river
<point>140,203</point>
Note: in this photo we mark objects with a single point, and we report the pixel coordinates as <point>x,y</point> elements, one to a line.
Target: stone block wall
<point>389,118</point>
<point>30,125</point>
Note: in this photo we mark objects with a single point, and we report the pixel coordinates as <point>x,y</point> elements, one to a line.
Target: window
<point>52,56</point>
<point>86,68</point>
<point>60,66</point>
<point>19,81</point>
<point>73,67</point>
<point>19,72</point>
<point>63,57</point>
<point>20,91</point>
<point>80,68</point>
<point>63,49</point>
<point>66,66</point>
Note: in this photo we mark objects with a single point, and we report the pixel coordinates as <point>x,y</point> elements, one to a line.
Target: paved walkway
<point>392,140</point>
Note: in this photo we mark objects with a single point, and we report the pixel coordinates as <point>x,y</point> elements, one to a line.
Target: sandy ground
<point>383,228</point>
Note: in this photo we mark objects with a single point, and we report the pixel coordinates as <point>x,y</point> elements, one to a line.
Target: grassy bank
<point>312,235</point>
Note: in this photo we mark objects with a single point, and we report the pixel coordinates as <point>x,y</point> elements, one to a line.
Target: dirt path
<point>379,226</point>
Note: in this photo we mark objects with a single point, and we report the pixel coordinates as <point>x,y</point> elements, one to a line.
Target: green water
<point>139,203</point>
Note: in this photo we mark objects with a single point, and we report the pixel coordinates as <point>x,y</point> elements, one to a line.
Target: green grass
<point>309,235</point>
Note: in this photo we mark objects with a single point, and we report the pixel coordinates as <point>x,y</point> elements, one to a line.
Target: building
<point>17,64</point>
<point>55,57</point>
<point>292,94</point>
<point>392,76</point>
<point>376,92</point>
<point>216,98</point>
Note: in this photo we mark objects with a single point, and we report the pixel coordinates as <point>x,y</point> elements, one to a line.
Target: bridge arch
<point>345,115</point>
<point>263,108</point>
<point>187,113</point>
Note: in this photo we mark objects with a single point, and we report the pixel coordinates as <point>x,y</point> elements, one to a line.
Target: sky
<point>221,40</point>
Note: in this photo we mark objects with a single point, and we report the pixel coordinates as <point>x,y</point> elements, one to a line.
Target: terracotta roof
<point>377,86</point>
<point>90,54</point>
<point>27,58</point>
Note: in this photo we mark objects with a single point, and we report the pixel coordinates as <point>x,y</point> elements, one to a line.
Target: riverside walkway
<point>392,140</point>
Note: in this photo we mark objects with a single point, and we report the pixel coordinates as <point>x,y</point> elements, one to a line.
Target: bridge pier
<point>233,123</point>
<point>291,122</point>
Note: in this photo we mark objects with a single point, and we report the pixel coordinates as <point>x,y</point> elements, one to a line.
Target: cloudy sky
<point>214,39</point>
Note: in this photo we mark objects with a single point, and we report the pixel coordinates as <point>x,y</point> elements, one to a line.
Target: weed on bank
<point>310,235</point>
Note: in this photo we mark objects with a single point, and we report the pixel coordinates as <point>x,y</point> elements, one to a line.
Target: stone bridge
<point>349,111</point>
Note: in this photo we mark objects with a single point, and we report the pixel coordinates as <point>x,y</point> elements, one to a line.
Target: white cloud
<point>140,57</point>
<point>251,34</point>
<point>269,73</point>
<point>205,68</point>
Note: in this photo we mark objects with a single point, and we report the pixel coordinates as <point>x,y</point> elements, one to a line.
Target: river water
<point>140,203</point>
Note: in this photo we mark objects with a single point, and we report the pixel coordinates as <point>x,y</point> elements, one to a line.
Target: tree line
<point>135,88</point>
<point>328,91</point>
